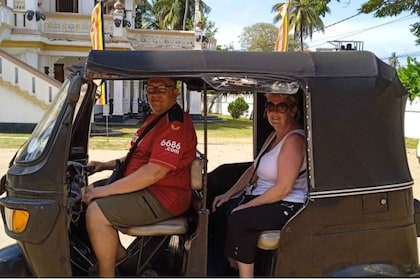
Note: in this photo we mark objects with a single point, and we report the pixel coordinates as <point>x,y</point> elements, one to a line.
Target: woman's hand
<point>239,207</point>
<point>219,200</point>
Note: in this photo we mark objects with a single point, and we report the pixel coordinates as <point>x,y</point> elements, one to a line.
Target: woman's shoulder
<point>297,135</point>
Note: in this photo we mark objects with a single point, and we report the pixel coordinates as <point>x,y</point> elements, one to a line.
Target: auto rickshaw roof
<point>354,105</point>
<point>187,65</point>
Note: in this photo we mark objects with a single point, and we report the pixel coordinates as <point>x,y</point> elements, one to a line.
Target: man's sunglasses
<point>159,89</point>
<point>279,108</point>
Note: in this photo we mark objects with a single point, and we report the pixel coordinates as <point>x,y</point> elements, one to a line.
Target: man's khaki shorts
<point>132,209</point>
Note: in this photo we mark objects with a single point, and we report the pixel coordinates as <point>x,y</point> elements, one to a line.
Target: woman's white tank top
<point>267,173</point>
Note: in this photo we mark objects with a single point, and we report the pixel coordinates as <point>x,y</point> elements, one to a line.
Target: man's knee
<point>94,213</point>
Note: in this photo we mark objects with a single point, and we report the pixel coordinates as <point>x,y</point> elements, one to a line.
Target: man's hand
<point>90,194</point>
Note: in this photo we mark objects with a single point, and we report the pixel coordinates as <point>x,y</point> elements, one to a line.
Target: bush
<point>238,107</point>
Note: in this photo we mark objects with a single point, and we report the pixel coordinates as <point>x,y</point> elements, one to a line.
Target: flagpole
<point>97,33</point>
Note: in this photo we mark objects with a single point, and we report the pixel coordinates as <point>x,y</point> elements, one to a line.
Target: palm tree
<point>304,18</point>
<point>174,14</point>
<point>144,17</point>
<point>393,60</point>
<point>184,20</point>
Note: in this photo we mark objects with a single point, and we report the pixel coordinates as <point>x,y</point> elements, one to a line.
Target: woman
<point>279,184</point>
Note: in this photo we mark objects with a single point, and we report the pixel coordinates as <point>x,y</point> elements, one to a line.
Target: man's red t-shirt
<point>171,143</point>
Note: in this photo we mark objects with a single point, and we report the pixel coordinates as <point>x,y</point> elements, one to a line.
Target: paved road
<point>217,154</point>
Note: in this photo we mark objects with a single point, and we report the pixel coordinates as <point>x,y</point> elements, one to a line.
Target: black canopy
<point>354,114</point>
<point>136,64</point>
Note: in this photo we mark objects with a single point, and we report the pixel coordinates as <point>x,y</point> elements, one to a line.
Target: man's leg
<point>104,239</point>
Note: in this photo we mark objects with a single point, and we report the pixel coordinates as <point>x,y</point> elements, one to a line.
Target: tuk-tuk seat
<point>173,226</point>
<point>269,240</point>
<point>177,225</point>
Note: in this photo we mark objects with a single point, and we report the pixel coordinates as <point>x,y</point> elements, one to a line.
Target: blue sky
<point>381,36</point>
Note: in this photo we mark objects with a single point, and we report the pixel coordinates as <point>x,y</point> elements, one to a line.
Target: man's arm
<point>140,179</point>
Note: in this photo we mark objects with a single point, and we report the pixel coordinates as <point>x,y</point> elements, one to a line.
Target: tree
<point>394,8</point>
<point>393,60</point>
<point>184,20</point>
<point>258,37</point>
<point>238,107</point>
<point>304,17</point>
<point>229,47</point>
<point>410,77</point>
<point>144,17</point>
<point>177,14</point>
<point>210,28</point>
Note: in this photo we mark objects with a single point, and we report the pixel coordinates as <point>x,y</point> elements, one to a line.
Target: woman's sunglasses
<point>279,108</point>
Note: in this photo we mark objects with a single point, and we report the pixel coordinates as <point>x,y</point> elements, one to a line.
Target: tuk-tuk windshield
<point>36,144</point>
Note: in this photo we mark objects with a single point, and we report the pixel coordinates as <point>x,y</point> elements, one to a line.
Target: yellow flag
<point>97,40</point>
<point>281,41</point>
<point>97,27</point>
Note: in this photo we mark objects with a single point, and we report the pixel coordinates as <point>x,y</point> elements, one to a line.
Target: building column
<point>118,113</point>
<point>195,102</point>
<point>126,97</point>
<point>51,67</point>
<point>135,100</point>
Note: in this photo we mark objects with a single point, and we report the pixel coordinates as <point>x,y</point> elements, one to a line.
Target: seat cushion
<point>177,225</point>
<point>269,240</point>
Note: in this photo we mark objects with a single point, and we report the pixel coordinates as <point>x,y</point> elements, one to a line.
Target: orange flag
<point>97,27</point>
<point>97,40</point>
<point>281,41</point>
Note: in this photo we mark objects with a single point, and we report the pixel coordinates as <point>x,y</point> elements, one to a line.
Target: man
<point>156,184</point>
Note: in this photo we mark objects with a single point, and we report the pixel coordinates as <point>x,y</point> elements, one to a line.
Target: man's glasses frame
<point>159,89</point>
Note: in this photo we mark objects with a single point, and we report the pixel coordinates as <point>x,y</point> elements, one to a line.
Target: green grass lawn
<point>228,131</point>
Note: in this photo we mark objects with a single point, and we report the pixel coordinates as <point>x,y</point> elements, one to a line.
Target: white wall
<point>16,109</point>
<point>222,103</point>
<point>412,119</point>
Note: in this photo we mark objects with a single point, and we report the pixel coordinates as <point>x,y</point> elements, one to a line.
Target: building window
<point>49,94</point>
<point>33,85</point>
<point>16,75</point>
<point>67,6</point>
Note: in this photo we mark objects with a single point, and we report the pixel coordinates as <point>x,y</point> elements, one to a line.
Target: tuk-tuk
<point>360,218</point>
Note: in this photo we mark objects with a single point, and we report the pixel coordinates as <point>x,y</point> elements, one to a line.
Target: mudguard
<point>12,262</point>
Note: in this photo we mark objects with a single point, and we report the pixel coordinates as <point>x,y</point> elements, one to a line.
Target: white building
<point>40,38</point>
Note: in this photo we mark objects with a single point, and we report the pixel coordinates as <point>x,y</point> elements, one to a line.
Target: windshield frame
<point>35,148</point>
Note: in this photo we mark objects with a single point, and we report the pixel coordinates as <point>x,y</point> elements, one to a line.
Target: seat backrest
<point>197,171</point>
